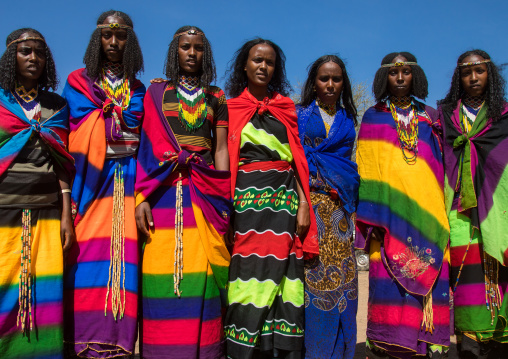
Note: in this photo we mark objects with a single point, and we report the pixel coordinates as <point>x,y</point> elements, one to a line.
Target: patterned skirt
<point>92,330</point>
<point>45,339</point>
<point>331,284</point>
<point>266,295</point>
<point>473,317</point>
<point>395,316</point>
<point>190,325</point>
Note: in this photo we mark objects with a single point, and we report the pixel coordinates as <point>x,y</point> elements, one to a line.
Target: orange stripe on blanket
<point>89,139</point>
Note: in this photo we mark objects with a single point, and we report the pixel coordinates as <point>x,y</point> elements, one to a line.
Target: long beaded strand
<point>178,265</point>
<point>428,313</point>
<point>25,276</point>
<point>492,294</point>
<point>117,248</point>
<point>463,260</point>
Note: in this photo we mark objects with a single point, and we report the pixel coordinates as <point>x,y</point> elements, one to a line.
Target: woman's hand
<point>157,80</point>
<point>302,219</point>
<point>144,219</point>
<point>229,236</point>
<point>67,234</point>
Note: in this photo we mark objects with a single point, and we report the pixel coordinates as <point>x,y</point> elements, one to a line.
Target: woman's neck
<point>259,92</point>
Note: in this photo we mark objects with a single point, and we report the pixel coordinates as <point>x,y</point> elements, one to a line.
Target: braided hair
<point>494,93</point>
<point>132,56</point>
<point>419,86</point>
<point>237,78</point>
<point>48,78</point>
<point>207,74</point>
<point>309,95</point>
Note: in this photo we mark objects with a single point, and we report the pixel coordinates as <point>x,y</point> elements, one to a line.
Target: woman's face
<point>400,78</point>
<point>260,65</point>
<point>329,83</point>
<point>190,53</point>
<point>30,60</point>
<point>114,39</point>
<point>474,78</point>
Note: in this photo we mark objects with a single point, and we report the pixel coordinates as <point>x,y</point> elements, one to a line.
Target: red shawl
<point>241,110</point>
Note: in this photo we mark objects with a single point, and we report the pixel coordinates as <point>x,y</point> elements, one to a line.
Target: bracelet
<point>304,202</point>
<point>66,190</point>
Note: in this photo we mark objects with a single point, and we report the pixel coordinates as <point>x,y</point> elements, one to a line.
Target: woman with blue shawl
<point>326,124</point>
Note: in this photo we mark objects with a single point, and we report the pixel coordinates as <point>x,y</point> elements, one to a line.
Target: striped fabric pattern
<point>45,341</point>
<point>91,330</point>
<point>266,295</point>
<point>412,260</point>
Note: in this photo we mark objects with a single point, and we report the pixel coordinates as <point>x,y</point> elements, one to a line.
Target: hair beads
<point>117,249</point>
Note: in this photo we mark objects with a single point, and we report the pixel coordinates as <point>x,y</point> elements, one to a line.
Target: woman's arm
<point>221,154</point>
<point>303,214</point>
<point>67,234</point>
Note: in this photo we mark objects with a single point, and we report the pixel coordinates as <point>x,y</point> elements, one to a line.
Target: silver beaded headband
<point>35,38</point>
<point>399,64</point>
<point>113,26</point>
<point>189,32</point>
<point>464,64</point>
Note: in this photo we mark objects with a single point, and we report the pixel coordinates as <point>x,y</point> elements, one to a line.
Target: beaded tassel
<point>117,249</point>
<point>428,313</point>
<point>492,294</point>
<point>463,260</point>
<point>178,266</point>
<point>25,276</point>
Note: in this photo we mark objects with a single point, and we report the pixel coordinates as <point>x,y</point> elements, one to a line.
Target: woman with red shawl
<point>272,211</point>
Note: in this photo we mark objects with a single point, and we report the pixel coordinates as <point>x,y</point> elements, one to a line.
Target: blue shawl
<point>329,157</point>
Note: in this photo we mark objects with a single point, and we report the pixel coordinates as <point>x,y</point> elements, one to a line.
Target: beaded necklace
<point>192,108</point>
<point>116,87</point>
<point>29,101</point>
<point>475,102</point>
<point>406,123</point>
<point>329,109</point>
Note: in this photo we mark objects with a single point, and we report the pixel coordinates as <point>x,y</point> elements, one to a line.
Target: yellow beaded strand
<point>178,265</point>
<point>25,276</point>
<point>117,249</point>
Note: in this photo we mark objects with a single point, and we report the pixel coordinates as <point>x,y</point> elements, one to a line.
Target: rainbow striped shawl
<point>16,129</point>
<point>160,154</point>
<point>407,201</point>
<point>484,182</point>
<point>91,124</point>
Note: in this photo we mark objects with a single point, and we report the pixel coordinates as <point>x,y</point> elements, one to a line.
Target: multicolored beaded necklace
<point>329,109</point>
<point>406,122</point>
<point>116,87</point>
<point>192,108</point>
<point>29,101</point>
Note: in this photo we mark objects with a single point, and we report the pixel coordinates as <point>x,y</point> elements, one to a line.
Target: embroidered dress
<point>408,276</point>
<point>33,137</point>
<point>476,196</point>
<point>101,282</point>
<point>266,295</point>
<point>331,281</point>
<point>185,260</point>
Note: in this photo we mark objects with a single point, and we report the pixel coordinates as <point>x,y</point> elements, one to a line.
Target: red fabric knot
<point>262,105</point>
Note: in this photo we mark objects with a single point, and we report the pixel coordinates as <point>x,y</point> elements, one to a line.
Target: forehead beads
<point>27,38</point>
<point>114,26</point>
<point>399,64</point>
<point>189,32</point>
<point>464,64</point>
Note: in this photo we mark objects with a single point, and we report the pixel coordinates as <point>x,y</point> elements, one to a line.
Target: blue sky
<point>361,32</point>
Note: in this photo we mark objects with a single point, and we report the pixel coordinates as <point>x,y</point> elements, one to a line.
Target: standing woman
<point>401,216</point>
<point>475,146</point>
<point>272,213</point>
<point>184,205</point>
<point>106,107</point>
<point>326,124</point>
<point>35,203</point>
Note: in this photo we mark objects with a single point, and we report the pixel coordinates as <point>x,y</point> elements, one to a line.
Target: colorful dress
<point>331,280</point>
<point>266,294</point>
<point>401,193</point>
<point>185,259</point>
<point>101,282</point>
<point>476,193</point>
<point>33,156</point>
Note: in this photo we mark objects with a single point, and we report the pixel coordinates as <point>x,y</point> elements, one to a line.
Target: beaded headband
<point>399,64</point>
<point>36,38</point>
<point>189,32</point>
<point>113,26</point>
<point>464,64</point>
